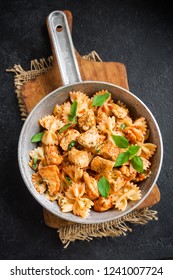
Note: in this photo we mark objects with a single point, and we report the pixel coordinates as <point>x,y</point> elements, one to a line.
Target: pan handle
<point>64,51</point>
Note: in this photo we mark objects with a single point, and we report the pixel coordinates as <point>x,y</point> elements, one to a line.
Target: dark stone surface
<point>137,33</point>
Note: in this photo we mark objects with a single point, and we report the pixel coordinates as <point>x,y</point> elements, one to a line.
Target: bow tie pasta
<point>91,155</point>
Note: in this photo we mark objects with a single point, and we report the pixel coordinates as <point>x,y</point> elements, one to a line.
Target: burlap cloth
<point>69,231</point>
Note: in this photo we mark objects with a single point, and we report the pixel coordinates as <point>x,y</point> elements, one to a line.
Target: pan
<point>61,39</point>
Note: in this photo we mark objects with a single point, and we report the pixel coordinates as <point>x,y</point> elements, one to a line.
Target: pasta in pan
<point>91,155</point>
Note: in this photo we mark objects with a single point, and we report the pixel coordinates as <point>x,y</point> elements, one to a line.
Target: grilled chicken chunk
<point>50,176</point>
<point>102,165</point>
<point>87,120</point>
<point>102,204</point>
<point>70,135</point>
<point>89,138</point>
<point>108,150</point>
<point>91,189</point>
<point>52,155</point>
<point>79,158</point>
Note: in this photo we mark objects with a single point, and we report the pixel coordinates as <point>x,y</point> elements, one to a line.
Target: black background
<point>136,33</point>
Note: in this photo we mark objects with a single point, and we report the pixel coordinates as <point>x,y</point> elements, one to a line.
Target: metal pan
<point>71,78</point>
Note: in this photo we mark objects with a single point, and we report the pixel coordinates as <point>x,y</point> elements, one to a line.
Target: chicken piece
<point>102,165</point>
<point>95,150</point>
<point>87,120</point>
<point>91,189</point>
<point>102,204</point>
<point>89,138</point>
<point>118,111</point>
<point>50,176</point>
<point>69,136</point>
<point>79,158</point>
<point>108,150</point>
<point>52,155</point>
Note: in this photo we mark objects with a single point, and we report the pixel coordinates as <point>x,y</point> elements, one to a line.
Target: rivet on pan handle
<point>62,43</point>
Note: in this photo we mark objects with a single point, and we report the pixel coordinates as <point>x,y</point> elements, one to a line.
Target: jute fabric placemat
<point>69,232</point>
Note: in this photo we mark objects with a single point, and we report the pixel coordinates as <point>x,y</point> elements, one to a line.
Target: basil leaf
<point>73,109</point>
<point>68,179</point>
<point>137,164</point>
<point>120,141</point>
<point>34,165</point>
<point>104,187</point>
<point>37,137</point>
<point>133,149</point>
<point>65,127</point>
<point>99,100</point>
<point>72,144</point>
<point>35,159</point>
<point>122,158</point>
<point>96,148</point>
<point>123,126</point>
<point>71,118</point>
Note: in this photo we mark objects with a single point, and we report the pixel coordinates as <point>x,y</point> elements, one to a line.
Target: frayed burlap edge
<point>70,233</point>
<point>22,76</point>
<point>37,67</point>
<point>112,228</point>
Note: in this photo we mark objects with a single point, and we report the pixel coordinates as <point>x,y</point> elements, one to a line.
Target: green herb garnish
<point>65,127</point>
<point>137,164</point>
<point>120,141</point>
<point>122,158</point>
<point>72,144</point>
<point>34,165</point>
<point>129,154</point>
<point>104,187</point>
<point>68,179</point>
<point>72,117</point>
<point>133,149</point>
<point>73,111</point>
<point>99,100</point>
<point>96,149</point>
<point>123,126</point>
<point>37,137</point>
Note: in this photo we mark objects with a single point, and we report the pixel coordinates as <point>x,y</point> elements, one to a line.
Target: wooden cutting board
<point>113,72</point>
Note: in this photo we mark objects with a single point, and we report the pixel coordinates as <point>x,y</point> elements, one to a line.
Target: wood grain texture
<point>113,72</point>
<point>34,90</point>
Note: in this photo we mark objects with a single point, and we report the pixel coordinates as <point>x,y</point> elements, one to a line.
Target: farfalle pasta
<point>91,154</point>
